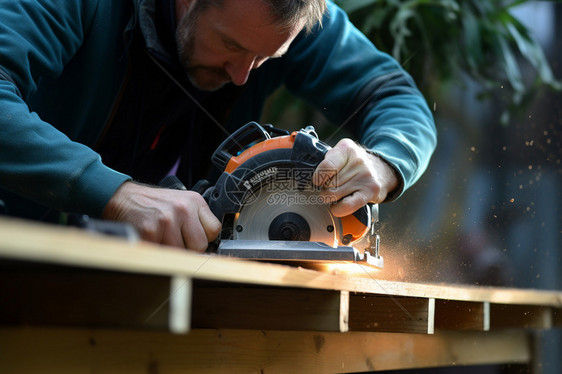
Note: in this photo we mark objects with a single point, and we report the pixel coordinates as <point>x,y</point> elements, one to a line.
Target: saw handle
<point>238,141</point>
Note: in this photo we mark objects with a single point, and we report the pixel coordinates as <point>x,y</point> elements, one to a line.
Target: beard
<point>206,78</point>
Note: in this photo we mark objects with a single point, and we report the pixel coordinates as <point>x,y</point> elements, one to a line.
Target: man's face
<point>222,45</point>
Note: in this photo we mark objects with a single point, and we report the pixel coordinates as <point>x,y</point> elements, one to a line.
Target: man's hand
<point>172,217</point>
<point>353,177</point>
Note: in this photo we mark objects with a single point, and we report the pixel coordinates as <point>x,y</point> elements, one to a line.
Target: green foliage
<point>438,41</point>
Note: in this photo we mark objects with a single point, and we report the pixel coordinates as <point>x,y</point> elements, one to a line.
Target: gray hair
<point>287,13</point>
<point>290,12</point>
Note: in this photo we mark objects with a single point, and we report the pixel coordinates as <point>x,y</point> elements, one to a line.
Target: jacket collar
<point>144,17</point>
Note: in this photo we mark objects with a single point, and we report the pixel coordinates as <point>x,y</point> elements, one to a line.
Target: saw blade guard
<point>265,191</point>
<point>283,211</point>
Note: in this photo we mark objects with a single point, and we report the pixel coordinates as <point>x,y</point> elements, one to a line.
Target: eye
<point>231,46</point>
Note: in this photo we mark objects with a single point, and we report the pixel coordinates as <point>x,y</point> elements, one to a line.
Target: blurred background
<point>488,209</point>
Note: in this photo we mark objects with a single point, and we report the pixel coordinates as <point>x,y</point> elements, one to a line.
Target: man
<point>153,86</point>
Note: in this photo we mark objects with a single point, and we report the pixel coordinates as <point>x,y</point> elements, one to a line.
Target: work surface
<point>125,307</point>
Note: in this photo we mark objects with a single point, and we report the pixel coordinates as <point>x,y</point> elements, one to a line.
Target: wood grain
<point>81,351</point>
<point>22,240</point>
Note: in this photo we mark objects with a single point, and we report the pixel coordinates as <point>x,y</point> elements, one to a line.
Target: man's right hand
<point>172,217</point>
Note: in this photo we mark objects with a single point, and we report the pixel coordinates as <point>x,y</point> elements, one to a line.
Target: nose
<point>239,69</point>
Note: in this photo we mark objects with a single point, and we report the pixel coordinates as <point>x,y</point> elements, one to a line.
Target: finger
<point>330,195</point>
<point>154,227</point>
<point>211,224</point>
<point>344,176</point>
<point>324,174</point>
<point>194,236</point>
<point>349,204</point>
<point>335,194</point>
<point>173,236</point>
<point>190,224</point>
<point>334,161</point>
<point>165,231</point>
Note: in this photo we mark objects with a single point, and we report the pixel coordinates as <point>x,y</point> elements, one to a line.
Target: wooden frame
<point>72,287</point>
<point>75,351</point>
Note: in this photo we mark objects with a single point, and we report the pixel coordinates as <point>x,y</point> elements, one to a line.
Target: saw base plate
<point>298,251</point>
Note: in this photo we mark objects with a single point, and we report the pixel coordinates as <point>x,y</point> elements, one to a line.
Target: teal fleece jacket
<point>63,65</point>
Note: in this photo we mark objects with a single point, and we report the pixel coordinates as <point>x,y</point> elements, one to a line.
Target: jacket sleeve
<point>365,91</point>
<point>37,39</point>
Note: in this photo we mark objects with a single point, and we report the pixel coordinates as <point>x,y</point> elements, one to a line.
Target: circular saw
<point>269,208</point>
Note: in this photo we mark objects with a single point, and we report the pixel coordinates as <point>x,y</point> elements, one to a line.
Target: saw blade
<point>281,211</point>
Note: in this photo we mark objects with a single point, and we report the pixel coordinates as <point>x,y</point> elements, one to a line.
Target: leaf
<point>511,68</point>
<point>400,31</point>
<point>376,19</point>
<point>472,38</point>
<point>438,41</point>
<point>532,51</point>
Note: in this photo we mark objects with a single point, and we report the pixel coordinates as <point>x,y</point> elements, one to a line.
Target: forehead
<point>249,24</point>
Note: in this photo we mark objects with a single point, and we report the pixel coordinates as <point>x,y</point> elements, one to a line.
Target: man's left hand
<point>353,177</point>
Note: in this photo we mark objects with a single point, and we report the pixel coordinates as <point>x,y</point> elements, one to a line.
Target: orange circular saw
<point>269,208</point>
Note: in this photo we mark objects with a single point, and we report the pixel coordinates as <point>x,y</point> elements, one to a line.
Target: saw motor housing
<point>269,208</point>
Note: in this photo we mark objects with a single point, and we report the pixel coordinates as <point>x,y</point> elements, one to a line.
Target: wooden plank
<point>56,351</point>
<point>259,308</point>
<point>180,304</point>
<point>431,316</point>
<point>59,296</point>
<point>557,317</point>
<point>21,240</point>
<point>344,311</point>
<point>486,312</point>
<point>462,315</point>
<point>390,314</point>
<point>520,316</point>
